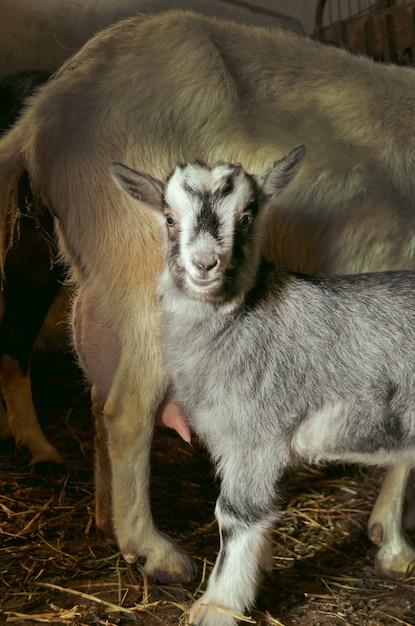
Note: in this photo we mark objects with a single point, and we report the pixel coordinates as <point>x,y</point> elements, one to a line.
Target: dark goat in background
<point>32,280</point>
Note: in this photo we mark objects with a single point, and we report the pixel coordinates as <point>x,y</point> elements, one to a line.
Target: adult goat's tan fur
<point>151,92</point>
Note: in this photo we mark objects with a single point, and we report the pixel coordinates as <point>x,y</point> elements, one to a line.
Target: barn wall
<point>41,35</point>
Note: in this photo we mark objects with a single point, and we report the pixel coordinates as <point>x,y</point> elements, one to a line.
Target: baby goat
<point>271,367</point>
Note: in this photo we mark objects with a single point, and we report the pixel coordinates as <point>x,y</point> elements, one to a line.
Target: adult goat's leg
<point>124,362</point>
<point>31,284</point>
<point>103,479</point>
<point>129,419</point>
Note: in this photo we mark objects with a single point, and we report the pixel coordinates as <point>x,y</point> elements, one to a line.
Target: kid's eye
<point>245,221</point>
<point>170,220</point>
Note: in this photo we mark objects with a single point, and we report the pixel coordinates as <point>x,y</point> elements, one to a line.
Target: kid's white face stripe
<point>189,186</point>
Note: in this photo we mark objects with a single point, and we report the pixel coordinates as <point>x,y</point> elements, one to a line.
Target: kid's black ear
<point>274,180</point>
<point>140,186</point>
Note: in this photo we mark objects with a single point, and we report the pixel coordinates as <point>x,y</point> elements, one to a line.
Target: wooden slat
<point>386,34</point>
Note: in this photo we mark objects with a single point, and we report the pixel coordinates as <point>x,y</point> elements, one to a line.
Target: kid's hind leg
<point>395,557</point>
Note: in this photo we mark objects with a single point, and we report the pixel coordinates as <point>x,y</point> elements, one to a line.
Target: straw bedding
<point>55,569</point>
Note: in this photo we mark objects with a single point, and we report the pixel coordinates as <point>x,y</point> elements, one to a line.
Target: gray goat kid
<point>271,367</point>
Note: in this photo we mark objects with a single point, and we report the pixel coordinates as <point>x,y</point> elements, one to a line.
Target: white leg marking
<point>232,584</point>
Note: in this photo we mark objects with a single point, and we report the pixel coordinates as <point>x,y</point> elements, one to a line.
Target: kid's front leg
<point>244,529</point>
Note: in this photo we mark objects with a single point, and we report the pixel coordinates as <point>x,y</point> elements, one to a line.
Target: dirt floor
<point>55,569</point>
